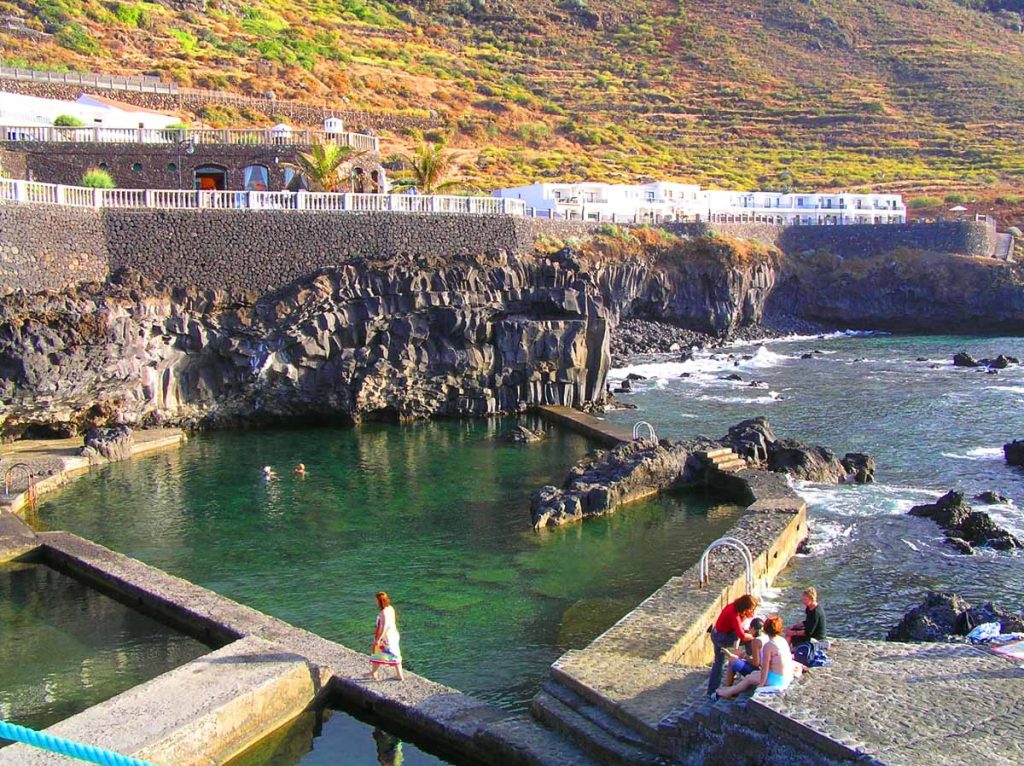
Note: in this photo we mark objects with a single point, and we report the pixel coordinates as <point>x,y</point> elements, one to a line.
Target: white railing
<point>140,83</point>
<point>182,199</point>
<point>174,136</point>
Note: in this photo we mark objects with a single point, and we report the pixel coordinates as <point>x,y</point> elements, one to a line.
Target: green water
<point>65,647</point>
<point>437,514</point>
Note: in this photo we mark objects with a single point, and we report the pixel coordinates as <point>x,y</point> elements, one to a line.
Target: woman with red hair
<point>386,650</point>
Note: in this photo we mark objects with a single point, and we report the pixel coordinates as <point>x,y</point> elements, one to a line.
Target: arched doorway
<point>359,181</point>
<point>211,177</point>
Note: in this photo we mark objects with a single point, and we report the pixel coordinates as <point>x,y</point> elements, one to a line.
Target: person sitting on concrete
<point>778,669</point>
<point>727,632</point>
<point>813,625</point>
<point>748,659</point>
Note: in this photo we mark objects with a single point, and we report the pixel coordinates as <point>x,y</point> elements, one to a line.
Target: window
<point>103,166</point>
<point>172,168</point>
<point>137,167</point>
<point>256,178</point>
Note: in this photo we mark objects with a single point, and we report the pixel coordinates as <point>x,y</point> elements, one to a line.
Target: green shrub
<point>919,203</point>
<point>955,199</point>
<point>95,178</point>
<point>130,15</point>
<point>75,38</point>
<point>67,121</point>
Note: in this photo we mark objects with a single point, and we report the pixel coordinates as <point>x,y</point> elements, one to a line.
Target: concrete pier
<point>608,434</point>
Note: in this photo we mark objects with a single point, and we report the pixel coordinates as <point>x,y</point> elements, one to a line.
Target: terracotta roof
<point>124,106</point>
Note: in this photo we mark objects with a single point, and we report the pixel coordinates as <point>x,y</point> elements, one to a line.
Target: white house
<point>95,111</point>
<point>663,201</point>
<point>804,209</point>
<point>592,201</point>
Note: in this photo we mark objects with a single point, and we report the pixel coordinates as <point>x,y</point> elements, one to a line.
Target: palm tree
<point>321,166</point>
<point>426,170</point>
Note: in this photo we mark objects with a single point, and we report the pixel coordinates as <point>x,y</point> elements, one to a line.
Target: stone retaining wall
<point>48,248</point>
<point>858,240</point>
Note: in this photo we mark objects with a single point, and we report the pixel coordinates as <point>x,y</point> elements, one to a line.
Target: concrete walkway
<point>53,462</point>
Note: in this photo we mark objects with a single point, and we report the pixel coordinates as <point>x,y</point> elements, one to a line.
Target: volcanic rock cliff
<point>398,338</point>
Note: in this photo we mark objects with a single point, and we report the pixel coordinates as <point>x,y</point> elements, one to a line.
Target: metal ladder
<point>638,428</point>
<point>30,479</point>
<point>732,543</point>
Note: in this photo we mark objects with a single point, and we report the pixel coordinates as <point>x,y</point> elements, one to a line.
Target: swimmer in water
<point>268,473</point>
<point>300,469</point>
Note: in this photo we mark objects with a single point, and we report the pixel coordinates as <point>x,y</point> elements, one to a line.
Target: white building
<point>93,110</point>
<point>797,209</point>
<point>662,201</point>
<point>592,201</point>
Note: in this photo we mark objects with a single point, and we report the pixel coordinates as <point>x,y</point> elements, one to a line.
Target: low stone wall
<point>858,240</point>
<point>50,248</point>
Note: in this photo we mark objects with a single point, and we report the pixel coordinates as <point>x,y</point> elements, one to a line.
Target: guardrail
<point>19,191</point>
<point>141,84</point>
<point>178,136</point>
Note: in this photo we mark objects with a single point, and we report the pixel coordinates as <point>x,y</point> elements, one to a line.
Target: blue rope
<point>63,746</point>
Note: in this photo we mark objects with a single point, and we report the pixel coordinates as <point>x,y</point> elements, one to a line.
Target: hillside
<point>921,96</point>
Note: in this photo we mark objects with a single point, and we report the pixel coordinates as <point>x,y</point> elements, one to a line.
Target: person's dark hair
<point>756,625</point>
<point>773,626</point>
<point>746,603</point>
<point>383,600</point>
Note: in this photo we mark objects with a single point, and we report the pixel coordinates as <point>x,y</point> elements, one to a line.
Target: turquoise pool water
<point>437,514</point>
<point>65,647</point>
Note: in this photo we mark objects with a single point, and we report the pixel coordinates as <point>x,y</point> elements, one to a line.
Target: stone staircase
<point>620,710</point>
<point>1004,247</point>
<point>724,459</point>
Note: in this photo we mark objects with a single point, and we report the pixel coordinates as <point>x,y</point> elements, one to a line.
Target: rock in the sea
<point>732,376</point>
<point>603,481</point>
<point>755,440</point>
<point>963,359</point>
<point>960,522</point>
<point>991,498</point>
<point>111,443</point>
<point>1014,452</point>
<point>807,356</point>
<point>944,616</point>
<point>524,435</point>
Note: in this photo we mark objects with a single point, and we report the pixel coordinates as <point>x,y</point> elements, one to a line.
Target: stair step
<point>590,737</point>
<point>726,458</point>
<point>594,714</point>
<point>713,453</point>
<point>731,465</point>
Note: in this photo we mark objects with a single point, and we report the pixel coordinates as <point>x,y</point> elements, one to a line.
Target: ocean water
<point>437,514</point>
<point>930,426</point>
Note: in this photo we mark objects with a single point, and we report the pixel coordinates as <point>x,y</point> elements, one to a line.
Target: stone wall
<point>859,240</point>
<point>50,248</point>
<point>186,101</point>
<point>155,166</point>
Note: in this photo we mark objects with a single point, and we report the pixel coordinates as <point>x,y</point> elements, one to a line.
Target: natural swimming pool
<point>435,513</point>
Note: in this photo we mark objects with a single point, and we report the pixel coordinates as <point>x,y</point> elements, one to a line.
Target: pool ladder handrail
<point>733,543</point>
<point>639,426</point>
<point>30,480</point>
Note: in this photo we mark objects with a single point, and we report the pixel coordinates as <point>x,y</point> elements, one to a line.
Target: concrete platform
<point>53,462</point>
<point>910,704</point>
<point>199,714</point>
<point>597,429</point>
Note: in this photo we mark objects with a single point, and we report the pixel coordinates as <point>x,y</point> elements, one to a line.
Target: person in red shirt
<point>728,631</point>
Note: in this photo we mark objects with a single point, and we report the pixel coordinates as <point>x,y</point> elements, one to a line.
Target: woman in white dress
<point>386,650</point>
